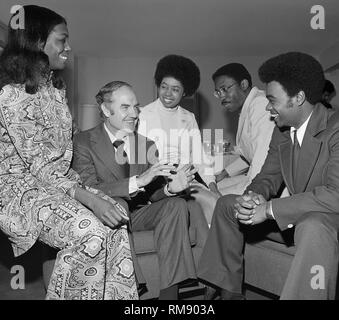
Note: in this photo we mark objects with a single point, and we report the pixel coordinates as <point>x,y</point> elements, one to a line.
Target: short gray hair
<point>108,89</point>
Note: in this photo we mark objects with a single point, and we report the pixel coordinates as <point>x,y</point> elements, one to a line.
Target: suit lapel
<point>310,148</point>
<point>309,153</point>
<point>285,151</point>
<point>103,147</point>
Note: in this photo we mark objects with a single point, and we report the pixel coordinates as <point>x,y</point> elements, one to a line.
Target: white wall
<point>3,35</point>
<point>329,58</point>
<point>94,72</point>
<point>333,76</point>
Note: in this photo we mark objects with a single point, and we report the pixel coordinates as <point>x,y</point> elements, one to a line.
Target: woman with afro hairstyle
<point>41,197</point>
<point>175,129</point>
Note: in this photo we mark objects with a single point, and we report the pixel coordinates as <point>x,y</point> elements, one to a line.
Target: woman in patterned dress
<point>41,197</point>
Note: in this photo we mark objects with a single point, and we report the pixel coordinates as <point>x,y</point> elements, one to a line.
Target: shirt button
<point>290,225</point>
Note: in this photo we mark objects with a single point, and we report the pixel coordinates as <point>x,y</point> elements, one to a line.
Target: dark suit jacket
<point>94,160</point>
<point>317,186</point>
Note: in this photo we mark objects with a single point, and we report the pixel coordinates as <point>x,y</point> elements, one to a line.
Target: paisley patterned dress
<point>94,261</point>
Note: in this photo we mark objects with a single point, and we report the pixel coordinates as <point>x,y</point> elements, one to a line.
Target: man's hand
<point>255,197</point>
<point>161,168</point>
<point>250,200</point>
<point>251,217</point>
<point>182,179</point>
<point>250,208</point>
<point>109,214</point>
<point>260,214</point>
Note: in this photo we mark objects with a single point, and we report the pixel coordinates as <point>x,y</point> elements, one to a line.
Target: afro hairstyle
<point>236,71</point>
<point>295,71</point>
<point>181,69</point>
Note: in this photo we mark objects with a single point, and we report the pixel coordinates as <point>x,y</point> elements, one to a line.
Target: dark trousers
<point>169,218</point>
<point>313,273</point>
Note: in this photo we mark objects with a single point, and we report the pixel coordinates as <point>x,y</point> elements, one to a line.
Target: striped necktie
<point>121,157</point>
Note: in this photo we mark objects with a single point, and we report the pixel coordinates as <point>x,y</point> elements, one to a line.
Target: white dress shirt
<point>301,131</point>
<point>132,186</point>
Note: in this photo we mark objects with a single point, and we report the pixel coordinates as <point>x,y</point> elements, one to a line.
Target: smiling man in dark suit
<point>303,156</point>
<point>113,158</point>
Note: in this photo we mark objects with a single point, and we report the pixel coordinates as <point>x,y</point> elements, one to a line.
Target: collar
<point>301,131</point>
<point>249,98</point>
<point>162,108</point>
<point>112,137</point>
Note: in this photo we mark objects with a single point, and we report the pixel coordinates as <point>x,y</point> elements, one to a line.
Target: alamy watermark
<point>18,18</point>
<point>178,146</point>
<point>18,280</point>
<point>318,280</point>
<point>318,18</point>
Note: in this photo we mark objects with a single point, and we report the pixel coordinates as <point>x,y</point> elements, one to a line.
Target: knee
<point>313,224</point>
<point>196,212</point>
<point>178,203</point>
<point>194,206</point>
<point>178,206</point>
<point>224,206</point>
<point>89,226</point>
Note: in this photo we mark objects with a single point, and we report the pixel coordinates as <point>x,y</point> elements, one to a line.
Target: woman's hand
<point>109,214</point>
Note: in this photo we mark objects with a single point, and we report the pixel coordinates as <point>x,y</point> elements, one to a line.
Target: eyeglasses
<point>223,90</point>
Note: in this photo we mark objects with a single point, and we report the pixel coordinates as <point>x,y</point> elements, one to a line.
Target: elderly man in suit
<point>304,156</point>
<point>113,158</point>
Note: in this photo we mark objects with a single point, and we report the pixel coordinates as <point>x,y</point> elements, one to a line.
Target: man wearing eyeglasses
<point>233,87</point>
<point>303,156</point>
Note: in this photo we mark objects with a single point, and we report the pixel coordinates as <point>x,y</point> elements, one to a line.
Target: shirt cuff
<point>133,186</point>
<point>167,193</point>
<point>270,210</point>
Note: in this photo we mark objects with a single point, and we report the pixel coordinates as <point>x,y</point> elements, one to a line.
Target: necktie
<point>121,157</point>
<point>295,157</point>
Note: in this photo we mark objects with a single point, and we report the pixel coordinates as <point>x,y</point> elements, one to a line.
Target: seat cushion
<point>267,264</point>
<point>276,246</point>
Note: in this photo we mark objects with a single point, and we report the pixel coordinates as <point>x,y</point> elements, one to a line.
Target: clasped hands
<point>251,208</point>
